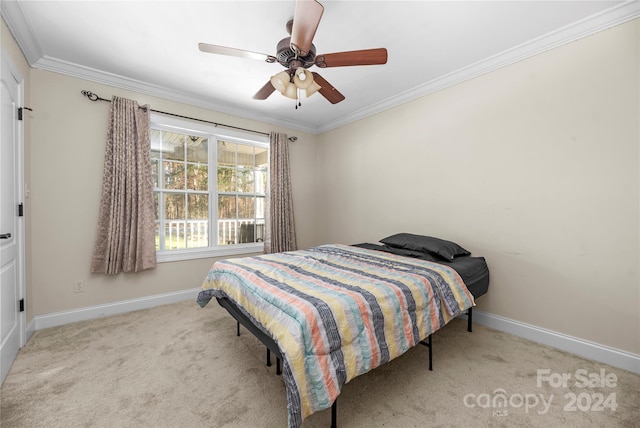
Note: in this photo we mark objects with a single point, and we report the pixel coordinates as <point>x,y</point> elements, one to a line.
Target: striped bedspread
<point>337,312</point>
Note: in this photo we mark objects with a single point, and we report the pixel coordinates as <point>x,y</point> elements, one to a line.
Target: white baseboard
<point>583,348</point>
<point>593,351</point>
<point>92,312</point>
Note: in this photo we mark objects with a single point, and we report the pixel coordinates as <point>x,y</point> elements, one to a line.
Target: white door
<point>11,226</point>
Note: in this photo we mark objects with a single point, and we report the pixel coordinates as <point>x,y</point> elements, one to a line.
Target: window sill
<point>204,253</point>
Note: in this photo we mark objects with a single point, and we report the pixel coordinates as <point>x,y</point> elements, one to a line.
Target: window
<point>209,188</point>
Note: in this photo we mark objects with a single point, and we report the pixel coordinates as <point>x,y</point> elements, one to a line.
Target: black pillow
<point>445,249</point>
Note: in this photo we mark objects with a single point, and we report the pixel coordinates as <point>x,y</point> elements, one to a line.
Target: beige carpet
<point>182,366</point>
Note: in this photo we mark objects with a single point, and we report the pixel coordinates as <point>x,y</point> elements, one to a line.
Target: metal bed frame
<point>272,346</point>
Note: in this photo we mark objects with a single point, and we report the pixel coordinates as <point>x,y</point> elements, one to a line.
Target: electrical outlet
<point>78,286</point>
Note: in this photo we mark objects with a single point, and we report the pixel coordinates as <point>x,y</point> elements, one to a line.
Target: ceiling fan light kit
<point>297,53</point>
<point>289,85</point>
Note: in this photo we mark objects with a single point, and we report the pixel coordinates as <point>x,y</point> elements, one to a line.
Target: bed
<point>334,312</point>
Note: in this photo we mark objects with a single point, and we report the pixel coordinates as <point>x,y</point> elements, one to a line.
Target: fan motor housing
<point>286,55</point>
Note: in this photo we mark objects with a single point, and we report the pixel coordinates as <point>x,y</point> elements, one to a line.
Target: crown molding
<point>118,81</point>
<point>611,17</point>
<point>21,29</point>
<point>18,24</point>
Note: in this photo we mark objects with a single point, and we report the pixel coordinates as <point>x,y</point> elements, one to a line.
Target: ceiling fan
<point>297,53</point>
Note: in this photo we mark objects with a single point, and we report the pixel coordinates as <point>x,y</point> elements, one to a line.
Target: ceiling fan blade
<point>362,57</point>
<point>327,90</point>
<point>264,92</point>
<point>306,18</point>
<point>222,50</point>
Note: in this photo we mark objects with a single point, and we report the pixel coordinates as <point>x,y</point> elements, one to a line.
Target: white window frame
<point>213,133</point>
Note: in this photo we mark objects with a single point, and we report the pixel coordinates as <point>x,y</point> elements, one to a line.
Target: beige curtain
<point>126,225</point>
<point>280,232</point>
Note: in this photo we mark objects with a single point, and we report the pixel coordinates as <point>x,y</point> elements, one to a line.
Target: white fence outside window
<point>196,232</point>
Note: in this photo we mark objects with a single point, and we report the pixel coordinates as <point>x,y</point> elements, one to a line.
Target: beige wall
<point>534,166</point>
<point>69,134</point>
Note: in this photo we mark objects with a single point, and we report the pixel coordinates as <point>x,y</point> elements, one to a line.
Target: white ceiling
<point>152,47</point>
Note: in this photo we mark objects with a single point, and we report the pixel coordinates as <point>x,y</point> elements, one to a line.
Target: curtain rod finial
<point>90,95</point>
<point>293,139</point>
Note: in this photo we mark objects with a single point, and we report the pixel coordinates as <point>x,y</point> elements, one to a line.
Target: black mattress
<point>473,270</point>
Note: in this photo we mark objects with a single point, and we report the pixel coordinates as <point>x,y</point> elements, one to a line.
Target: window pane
<point>226,179</point>
<point>174,232</point>
<point>226,232</point>
<point>172,145</point>
<point>197,234</point>
<point>245,179</point>
<point>197,149</point>
<point>226,153</point>
<point>197,177</point>
<point>246,207</point>
<point>174,205</point>
<point>246,156</point>
<point>262,157</point>
<point>261,181</point>
<point>260,204</point>
<point>156,142</point>
<point>227,207</point>
<point>247,232</point>
<point>173,175</point>
<point>198,207</point>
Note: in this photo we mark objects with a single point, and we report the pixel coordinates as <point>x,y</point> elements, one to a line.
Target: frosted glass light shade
<point>312,89</point>
<point>280,81</point>
<point>291,91</point>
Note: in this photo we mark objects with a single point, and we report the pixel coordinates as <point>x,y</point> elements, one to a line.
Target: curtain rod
<point>93,97</point>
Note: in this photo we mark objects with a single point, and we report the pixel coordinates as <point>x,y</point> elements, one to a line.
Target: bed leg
<point>469,319</point>
<point>430,353</point>
<point>429,344</point>
<point>268,357</point>
<point>334,414</point>
<point>238,329</point>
